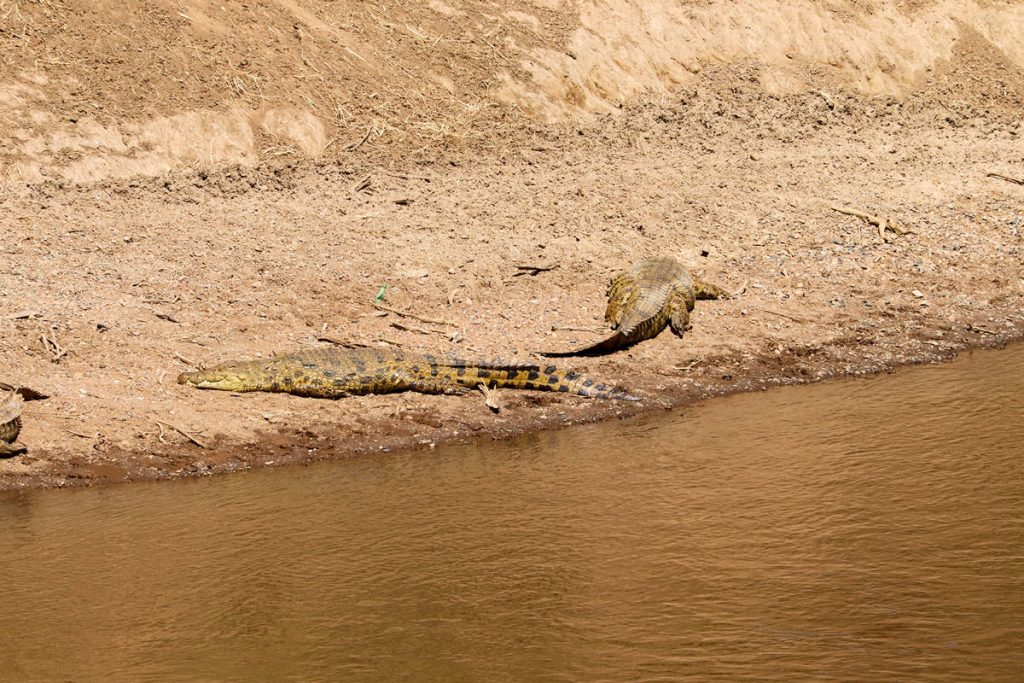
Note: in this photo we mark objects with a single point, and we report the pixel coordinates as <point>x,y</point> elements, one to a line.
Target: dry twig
<point>780,314</point>
<point>408,328</point>
<point>353,146</point>
<point>533,270</point>
<point>23,315</point>
<point>363,184</point>
<point>407,176</point>
<point>50,344</point>
<point>181,431</point>
<point>186,361</point>
<point>571,328</point>
<point>346,343</point>
<point>882,223</point>
<point>406,314</point>
<point>1009,179</point>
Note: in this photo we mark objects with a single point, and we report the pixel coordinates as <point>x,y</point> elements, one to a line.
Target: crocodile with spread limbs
<point>336,373</point>
<point>12,400</point>
<point>643,300</point>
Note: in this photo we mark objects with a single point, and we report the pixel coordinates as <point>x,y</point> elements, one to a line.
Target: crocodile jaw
<point>202,380</point>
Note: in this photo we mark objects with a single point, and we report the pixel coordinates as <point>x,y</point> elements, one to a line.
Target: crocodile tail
<point>537,378</point>
<point>605,346</point>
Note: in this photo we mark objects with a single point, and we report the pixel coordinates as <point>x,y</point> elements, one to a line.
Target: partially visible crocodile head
<point>245,376</point>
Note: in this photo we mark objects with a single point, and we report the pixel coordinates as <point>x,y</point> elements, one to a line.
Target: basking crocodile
<point>12,399</point>
<point>643,300</point>
<point>335,373</point>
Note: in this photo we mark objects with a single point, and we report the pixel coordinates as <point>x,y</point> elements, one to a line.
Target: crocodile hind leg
<point>706,290</point>
<point>620,292</point>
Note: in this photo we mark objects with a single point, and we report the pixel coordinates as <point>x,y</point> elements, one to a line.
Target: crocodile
<point>336,373</point>
<point>12,400</point>
<point>645,299</point>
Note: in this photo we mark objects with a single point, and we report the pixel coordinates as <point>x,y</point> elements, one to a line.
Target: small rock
<point>416,273</point>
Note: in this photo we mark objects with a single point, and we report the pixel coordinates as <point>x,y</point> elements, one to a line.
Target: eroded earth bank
<point>207,193</point>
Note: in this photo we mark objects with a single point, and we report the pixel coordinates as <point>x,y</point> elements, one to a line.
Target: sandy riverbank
<point>139,277</point>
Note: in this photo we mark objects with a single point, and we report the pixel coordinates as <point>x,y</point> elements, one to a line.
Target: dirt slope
<point>189,182</point>
<point>90,91</point>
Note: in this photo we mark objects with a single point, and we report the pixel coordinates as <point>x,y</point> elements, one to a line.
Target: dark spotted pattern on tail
<point>334,373</point>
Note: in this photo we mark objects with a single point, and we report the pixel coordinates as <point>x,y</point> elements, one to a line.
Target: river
<point>858,530</point>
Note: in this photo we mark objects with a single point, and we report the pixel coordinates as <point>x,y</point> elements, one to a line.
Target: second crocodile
<point>645,299</point>
<point>12,400</point>
<point>336,373</point>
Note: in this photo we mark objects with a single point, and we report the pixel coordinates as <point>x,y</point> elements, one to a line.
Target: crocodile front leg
<point>679,321</point>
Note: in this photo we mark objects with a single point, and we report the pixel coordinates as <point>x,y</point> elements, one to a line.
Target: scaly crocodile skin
<point>643,300</point>
<point>334,373</point>
<point>10,421</point>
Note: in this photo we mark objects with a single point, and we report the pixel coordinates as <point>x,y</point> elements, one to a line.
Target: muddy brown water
<point>859,530</point>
